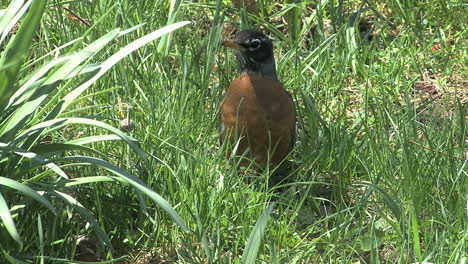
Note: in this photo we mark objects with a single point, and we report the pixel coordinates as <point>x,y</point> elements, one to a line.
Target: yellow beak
<point>232,45</point>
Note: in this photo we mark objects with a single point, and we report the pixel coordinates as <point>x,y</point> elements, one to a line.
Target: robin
<point>256,109</point>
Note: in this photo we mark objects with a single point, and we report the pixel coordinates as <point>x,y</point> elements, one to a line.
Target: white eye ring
<point>255,44</point>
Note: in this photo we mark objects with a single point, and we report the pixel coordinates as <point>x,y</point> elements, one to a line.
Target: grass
<point>382,138</point>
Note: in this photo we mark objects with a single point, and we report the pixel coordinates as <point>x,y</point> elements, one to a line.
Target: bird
<point>256,109</point>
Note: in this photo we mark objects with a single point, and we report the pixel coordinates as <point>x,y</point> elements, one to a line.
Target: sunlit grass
<point>379,170</point>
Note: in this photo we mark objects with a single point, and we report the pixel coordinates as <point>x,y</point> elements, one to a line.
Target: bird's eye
<point>254,45</point>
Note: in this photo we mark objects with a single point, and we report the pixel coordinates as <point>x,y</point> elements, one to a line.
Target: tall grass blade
<point>12,15</point>
<point>28,191</point>
<point>13,260</point>
<point>8,221</point>
<point>18,48</point>
<point>56,124</point>
<point>135,182</point>
<point>165,42</point>
<point>22,114</point>
<point>86,214</point>
<point>114,59</point>
<point>253,243</point>
<point>40,232</point>
<point>92,139</point>
<point>28,88</point>
<point>416,239</point>
<point>31,155</point>
<point>315,54</point>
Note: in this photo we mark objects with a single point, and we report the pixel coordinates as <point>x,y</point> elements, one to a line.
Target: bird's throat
<point>266,69</point>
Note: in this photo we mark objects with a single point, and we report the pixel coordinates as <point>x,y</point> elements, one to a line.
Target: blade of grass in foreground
<point>135,182</point>
<point>29,107</point>
<point>18,48</point>
<point>416,239</point>
<point>34,156</point>
<point>8,222</point>
<point>56,124</point>
<point>87,215</point>
<point>12,15</point>
<point>253,243</point>
<point>114,59</point>
<point>28,191</point>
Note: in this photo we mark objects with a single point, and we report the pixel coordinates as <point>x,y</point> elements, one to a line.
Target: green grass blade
<point>93,139</point>
<point>13,260</point>
<point>40,232</point>
<point>387,199</point>
<point>253,243</point>
<point>28,191</point>
<point>18,48</point>
<point>316,53</point>
<point>13,14</point>
<point>114,59</point>
<point>294,19</point>
<point>31,155</point>
<point>50,54</point>
<point>165,43</point>
<point>48,150</point>
<point>17,121</point>
<point>28,88</point>
<point>129,30</point>
<point>135,182</point>
<point>85,214</point>
<point>416,239</point>
<point>55,124</point>
<point>86,180</point>
<point>8,221</point>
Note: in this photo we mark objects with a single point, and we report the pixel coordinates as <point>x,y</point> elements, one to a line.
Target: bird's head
<point>254,52</point>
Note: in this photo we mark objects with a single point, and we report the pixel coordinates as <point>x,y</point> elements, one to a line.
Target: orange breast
<point>261,114</point>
